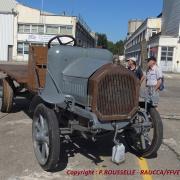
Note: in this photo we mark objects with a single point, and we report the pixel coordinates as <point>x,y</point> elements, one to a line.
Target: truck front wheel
<point>46,137</point>
<point>7,96</point>
<point>147,140</point>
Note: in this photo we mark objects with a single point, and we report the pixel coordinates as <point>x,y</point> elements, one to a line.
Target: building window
<point>26,48</point>
<point>69,30</point>
<point>139,39</point>
<point>153,32</point>
<point>34,29</point>
<point>20,28</point>
<point>63,29</point>
<point>66,30</point>
<point>167,53</point>
<point>52,30</point>
<point>26,28</point>
<point>144,34</point>
<point>40,29</point>
<point>22,48</point>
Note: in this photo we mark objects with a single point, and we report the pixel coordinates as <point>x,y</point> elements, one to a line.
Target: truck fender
<point>35,101</point>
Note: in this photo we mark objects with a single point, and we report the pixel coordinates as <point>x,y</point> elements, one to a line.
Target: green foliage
<point>102,40</point>
<point>116,48</point>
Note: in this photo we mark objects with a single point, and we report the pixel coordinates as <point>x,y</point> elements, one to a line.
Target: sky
<point>104,16</point>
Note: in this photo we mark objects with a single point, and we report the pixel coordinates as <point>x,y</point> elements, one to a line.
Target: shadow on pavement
<point>21,104</point>
<point>89,149</point>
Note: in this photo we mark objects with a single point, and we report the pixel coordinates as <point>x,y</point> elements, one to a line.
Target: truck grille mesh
<point>114,93</point>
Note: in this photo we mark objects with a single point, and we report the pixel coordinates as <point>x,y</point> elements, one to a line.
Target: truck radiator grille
<point>114,93</point>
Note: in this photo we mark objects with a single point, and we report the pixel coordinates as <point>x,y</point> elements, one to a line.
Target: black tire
<point>156,142</point>
<point>7,96</point>
<point>158,132</point>
<point>50,162</point>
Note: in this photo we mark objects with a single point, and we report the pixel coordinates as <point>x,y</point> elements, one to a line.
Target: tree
<point>102,40</point>
<point>119,47</point>
<point>111,46</point>
<point>116,48</point>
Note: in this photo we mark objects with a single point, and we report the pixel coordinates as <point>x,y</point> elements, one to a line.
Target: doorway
<point>167,58</point>
<point>10,52</point>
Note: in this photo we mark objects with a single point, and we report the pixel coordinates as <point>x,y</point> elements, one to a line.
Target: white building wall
<point>159,56</point>
<point>28,15</point>
<point>7,5</point>
<point>6,34</point>
<point>154,23</point>
<point>31,15</point>
<point>166,41</point>
<point>15,37</point>
<point>176,64</point>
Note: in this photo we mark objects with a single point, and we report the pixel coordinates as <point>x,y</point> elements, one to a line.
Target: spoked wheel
<point>46,137</point>
<point>7,96</point>
<point>146,140</point>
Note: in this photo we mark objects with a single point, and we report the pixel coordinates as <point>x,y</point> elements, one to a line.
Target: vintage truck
<point>75,89</point>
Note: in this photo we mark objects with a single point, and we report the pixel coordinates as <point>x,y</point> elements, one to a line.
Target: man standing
<point>132,65</point>
<point>153,80</point>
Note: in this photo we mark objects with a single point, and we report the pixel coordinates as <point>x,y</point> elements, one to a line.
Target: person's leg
<point>155,99</point>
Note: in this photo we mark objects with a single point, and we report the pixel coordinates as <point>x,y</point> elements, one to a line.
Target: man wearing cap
<point>153,80</point>
<point>136,69</point>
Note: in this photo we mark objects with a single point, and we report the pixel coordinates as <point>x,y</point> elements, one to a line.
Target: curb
<point>174,117</point>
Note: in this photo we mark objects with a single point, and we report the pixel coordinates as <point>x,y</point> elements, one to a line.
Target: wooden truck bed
<point>16,72</point>
<point>32,74</point>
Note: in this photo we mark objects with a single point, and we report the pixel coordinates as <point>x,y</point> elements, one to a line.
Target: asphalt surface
<point>17,160</point>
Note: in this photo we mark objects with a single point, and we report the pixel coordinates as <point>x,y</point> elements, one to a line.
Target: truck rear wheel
<point>7,96</point>
<point>46,137</point>
<point>146,144</point>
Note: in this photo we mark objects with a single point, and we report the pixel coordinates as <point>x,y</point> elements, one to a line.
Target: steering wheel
<point>58,37</point>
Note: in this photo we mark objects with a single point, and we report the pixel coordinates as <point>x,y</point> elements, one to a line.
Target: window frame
<point>38,26</point>
<point>52,26</point>
<point>34,25</point>
<point>154,32</point>
<point>29,29</point>
<point>24,51</point>
<point>165,50</point>
<point>22,48</point>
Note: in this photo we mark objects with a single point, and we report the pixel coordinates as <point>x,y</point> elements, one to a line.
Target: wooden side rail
<point>37,67</point>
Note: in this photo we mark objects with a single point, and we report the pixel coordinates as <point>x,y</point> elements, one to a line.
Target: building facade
<point>167,44</point>
<point>162,38</point>
<point>136,42</point>
<point>7,15</point>
<point>167,51</point>
<point>30,26</point>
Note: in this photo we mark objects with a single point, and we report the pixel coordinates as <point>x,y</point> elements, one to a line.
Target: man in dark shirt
<point>136,69</point>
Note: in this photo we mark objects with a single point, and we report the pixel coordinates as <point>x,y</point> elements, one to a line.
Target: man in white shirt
<point>154,74</point>
<point>153,80</point>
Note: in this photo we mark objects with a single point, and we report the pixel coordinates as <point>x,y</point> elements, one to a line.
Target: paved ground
<point>17,161</point>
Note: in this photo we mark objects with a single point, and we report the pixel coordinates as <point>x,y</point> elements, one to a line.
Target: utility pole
<point>42,7</point>
<point>42,18</point>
